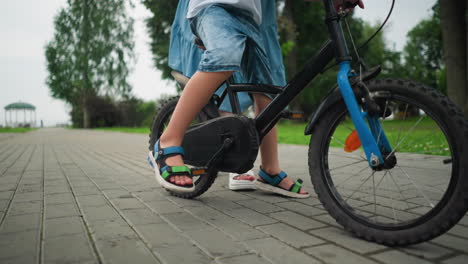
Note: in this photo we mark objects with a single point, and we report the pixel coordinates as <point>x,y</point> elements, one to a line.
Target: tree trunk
<point>291,39</point>
<point>86,115</point>
<point>454,22</point>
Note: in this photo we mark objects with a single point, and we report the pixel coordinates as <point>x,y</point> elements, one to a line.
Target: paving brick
<point>302,208</point>
<point>25,188</point>
<point>92,200</point>
<point>260,206</point>
<point>141,216</point>
<point>267,197</point>
<point>459,230</point>
<point>217,243</point>
<point>161,235</point>
<point>116,193</point>
<point>7,187</point>
<point>189,254</point>
<point>33,207</point>
<point>452,242</point>
<point>20,223</point>
<point>59,198</point>
<point>68,249</point>
<point>291,236</point>
<point>57,189</point>
<point>164,207</point>
<point>394,256</point>
<point>63,226</point>
<point>112,229</point>
<point>20,244</point>
<point>127,203</point>
<point>427,251</point>
<point>124,250</point>
<point>335,254</point>
<point>347,240</point>
<point>460,259</point>
<point>6,195</point>
<point>27,197</point>
<point>186,222</point>
<point>186,203</point>
<point>297,220</point>
<point>221,203</point>
<point>4,204</point>
<point>61,210</point>
<point>278,252</point>
<point>78,191</point>
<point>149,196</point>
<point>235,228</point>
<point>97,213</point>
<point>232,196</point>
<point>251,217</point>
<point>250,259</point>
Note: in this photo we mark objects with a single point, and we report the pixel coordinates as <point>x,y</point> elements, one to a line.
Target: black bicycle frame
<point>334,48</point>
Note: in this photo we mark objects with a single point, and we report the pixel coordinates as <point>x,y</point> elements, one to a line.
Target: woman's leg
<point>196,94</point>
<point>269,146</point>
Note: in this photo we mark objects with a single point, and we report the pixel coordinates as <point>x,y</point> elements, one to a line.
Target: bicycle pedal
<point>293,115</point>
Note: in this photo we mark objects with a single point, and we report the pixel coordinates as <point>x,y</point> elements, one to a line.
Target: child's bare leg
<point>196,94</point>
<point>269,146</point>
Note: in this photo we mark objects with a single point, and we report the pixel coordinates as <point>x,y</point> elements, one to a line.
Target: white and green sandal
<point>270,183</point>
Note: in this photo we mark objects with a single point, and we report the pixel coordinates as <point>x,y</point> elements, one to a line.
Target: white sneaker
<point>237,185</point>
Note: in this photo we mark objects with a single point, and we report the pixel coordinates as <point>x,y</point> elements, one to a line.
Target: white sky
<point>27,25</point>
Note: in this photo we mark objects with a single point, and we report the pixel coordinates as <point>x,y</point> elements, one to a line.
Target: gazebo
<point>20,108</point>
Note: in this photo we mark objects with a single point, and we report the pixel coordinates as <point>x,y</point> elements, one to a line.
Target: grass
<point>425,138</point>
<point>16,129</point>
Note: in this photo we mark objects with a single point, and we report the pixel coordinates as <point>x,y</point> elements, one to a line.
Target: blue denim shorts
<point>232,42</point>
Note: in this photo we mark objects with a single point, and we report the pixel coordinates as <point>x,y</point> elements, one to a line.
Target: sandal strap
<point>168,171</point>
<point>272,179</point>
<point>161,153</point>
<point>296,187</point>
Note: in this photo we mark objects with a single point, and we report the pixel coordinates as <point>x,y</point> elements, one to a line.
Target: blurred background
<point>104,63</point>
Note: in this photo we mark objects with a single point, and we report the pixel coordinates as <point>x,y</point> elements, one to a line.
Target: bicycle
<point>371,180</point>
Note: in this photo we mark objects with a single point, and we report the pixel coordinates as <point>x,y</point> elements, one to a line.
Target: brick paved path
<point>89,197</point>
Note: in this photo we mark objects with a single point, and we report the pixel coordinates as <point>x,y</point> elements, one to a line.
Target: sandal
<point>163,171</point>
<point>238,184</point>
<point>270,183</point>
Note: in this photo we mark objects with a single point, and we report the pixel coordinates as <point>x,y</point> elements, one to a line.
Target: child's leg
<point>269,147</point>
<point>196,94</point>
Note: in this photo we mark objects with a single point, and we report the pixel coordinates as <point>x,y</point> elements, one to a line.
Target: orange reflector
<point>296,116</point>
<point>352,142</point>
<point>198,171</point>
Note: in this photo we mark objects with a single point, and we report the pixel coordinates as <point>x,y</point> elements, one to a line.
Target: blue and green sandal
<point>163,171</point>
<point>270,183</point>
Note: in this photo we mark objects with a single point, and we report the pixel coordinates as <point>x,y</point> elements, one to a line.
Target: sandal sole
<point>269,188</point>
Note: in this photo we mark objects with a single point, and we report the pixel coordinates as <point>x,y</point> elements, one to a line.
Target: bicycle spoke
<point>403,139</point>
<point>372,174</point>
<point>415,185</point>
<point>399,190</point>
<point>347,165</point>
<point>351,176</point>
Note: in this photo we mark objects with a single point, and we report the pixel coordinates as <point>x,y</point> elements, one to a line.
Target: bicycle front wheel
<point>420,195</point>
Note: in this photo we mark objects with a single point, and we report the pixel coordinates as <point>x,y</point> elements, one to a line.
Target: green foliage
<point>159,28</point>
<point>90,52</point>
<point>423,53</point>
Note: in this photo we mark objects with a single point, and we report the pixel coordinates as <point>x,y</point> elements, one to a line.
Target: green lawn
<point>425,138</point>
<point>16,129</point>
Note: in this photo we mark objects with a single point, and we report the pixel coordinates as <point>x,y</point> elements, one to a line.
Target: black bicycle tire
<point>455,206</point>
<point>203,183</point>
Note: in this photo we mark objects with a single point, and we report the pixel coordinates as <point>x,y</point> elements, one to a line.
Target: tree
<point>159,29</point>
<point>423,51</point>
<point>454,20</point>
<point>90,53</point>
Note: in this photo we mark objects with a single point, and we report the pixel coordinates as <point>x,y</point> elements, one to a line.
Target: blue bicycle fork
<point>369,135</point>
